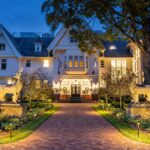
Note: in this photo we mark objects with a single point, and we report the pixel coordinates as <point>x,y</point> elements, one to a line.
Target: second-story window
<point>118,68</point>
<point>28,63</point>
<point>81,62</point>
<point>2,46</point>
<point>102,64</point>
<point>87,62</point>
<point>65,62</point>
<point>4,64</point>
<point>70,62</point>
<point>75,61</point>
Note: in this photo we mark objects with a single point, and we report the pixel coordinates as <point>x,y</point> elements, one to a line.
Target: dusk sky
<point>24,16</point>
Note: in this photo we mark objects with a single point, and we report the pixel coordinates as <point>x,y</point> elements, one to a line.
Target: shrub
<point>9,122</point>
<point>8,97</point>
<point>115,104</point>
<point>145,124</point>
<point>30,116</point>
<point>48,107</point>
<point>119,114</point>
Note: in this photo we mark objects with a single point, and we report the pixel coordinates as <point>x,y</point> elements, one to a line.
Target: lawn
<point>123,127</point>
<point>29,127</point>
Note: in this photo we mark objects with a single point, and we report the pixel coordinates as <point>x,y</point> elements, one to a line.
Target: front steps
<point>75,100</point>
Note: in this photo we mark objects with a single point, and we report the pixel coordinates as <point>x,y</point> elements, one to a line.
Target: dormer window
<point>2,46</point>
<point>38,47</point>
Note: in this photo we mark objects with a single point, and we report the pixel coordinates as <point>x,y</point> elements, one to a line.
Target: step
<point>75,100</point>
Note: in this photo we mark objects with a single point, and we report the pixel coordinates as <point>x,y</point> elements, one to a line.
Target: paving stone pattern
<point>76,127</point>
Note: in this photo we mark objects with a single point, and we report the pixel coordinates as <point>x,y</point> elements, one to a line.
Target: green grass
<point>123,127</point>
<point>29,127</point>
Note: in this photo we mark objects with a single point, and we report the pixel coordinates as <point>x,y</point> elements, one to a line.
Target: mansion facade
<point>72,73</point>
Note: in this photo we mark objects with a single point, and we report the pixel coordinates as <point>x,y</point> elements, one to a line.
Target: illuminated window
<point>81,64</point>
<point>118,68</point>
<point>70,63</point>
<point>75,63</point>
<point>46,63</point>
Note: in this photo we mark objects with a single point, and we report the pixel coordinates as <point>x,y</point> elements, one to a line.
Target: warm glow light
<point>10,82</point>
<point>112,47</point>
<point>46,63</point>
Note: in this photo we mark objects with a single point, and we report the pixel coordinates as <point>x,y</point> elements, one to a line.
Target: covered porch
<point>83,87</point>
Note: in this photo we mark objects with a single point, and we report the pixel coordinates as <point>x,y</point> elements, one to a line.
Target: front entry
<point>75,90</point>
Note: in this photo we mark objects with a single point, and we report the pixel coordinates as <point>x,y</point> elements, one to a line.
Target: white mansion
<point>71,72</point>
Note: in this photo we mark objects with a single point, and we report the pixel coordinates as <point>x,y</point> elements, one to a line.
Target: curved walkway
<point>76,127</point>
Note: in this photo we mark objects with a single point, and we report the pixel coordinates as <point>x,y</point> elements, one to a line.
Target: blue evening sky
<point>24,16</point>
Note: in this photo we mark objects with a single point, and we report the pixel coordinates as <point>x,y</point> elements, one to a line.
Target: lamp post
<point>10,129</point>
<point>138,129</point>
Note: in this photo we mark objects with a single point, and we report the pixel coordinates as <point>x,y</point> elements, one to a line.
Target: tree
<point>118,85</point>
<point>36,86</point>
<point>125,19</point>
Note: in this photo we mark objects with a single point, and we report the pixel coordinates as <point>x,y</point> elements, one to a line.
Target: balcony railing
<point>76,70</point>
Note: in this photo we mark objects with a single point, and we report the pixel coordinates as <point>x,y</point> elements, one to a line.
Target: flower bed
<point>10,125</point>
<point>128,126</point>
<point>120,114</point>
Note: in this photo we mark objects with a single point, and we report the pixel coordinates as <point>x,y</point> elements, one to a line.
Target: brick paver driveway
<point>76,127</point>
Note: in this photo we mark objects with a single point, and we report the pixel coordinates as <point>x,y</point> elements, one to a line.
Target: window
<point>2,46</point>
<point>38,47</point>
<point>75,61</point>
<point>65,62</point>
<point>118,68</point>
<point>81,64</point>
<point>4,64</point>
<point>28,63</point>
<point>46,63</point>
<point>70,63</point>
<point>102,64</point>
<point>87,63</point>
<point>73,39</point>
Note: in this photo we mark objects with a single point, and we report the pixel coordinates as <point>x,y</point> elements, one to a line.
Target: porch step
<point>75,100</point>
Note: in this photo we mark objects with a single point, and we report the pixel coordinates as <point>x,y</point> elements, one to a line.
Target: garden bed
<point>29,127</point>
<point>123,126</point>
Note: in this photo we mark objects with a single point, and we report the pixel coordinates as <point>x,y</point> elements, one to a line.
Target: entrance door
<point>75,90</point>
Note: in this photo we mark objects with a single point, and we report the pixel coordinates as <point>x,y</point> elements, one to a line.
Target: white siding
<point>12,67</point>
<point>8,50</point>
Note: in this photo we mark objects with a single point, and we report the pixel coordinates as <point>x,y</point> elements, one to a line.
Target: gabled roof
<point>11,41</point>
<point>27,46</point>
<point>120,49</point>
<point>57,38</point>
